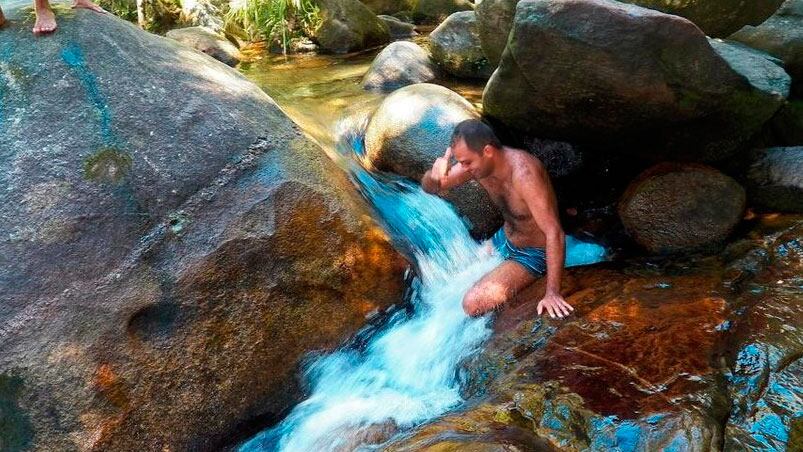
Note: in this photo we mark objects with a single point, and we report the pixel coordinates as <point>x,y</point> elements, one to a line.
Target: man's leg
<point>45,19</point>
<point>497,287</point>
<point>2,18</point>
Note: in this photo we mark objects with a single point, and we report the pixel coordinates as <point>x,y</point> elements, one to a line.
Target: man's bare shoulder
<point>526,167</point>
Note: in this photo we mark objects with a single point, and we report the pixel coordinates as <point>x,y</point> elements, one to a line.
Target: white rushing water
<point>407,373</point>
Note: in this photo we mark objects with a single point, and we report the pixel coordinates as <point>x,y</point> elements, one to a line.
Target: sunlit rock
<point>203,40</point>
<point>630,79</point>
<point>494,20</point>
<point>397,65</point>
<point>410,129</point>
<point>716,17</point>
<point>172,244</point>
<point>397,28</point>
<point>782,36</point>
<point>347,26</point>
<point>456,47</point>
<point>674,208</point>
<point>436,11</point>
<point>389,6</point>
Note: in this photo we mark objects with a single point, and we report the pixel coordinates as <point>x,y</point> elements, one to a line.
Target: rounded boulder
<point>410,129</point>
<point>676,208</point>
<point>455,47</point>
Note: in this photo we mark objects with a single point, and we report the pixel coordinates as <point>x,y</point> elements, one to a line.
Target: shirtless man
<point>46,19</point>
<point>519,185</point>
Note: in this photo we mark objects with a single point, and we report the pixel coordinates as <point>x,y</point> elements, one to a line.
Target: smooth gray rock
<point>399,64</point>
<point>433,12</point>
<point>397,28</point>
<point>410,129</point>
<point>204,40</point>
<point>717,18</point>
<point>348,26</point>
<point>629,79</point>
<point>775,179</point>
<point>171,245</point>
<point>782,36</point>
<point>455,47</point>
<point>494,20</point>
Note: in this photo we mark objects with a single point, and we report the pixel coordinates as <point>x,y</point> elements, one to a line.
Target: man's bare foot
<point>88,5</point>
<point>45,20</point>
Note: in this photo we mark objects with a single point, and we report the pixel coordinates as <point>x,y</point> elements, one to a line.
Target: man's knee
<point>481,299</point>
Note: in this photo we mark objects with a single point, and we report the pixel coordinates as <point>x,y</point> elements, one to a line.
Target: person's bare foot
<point>2,18</point>
<point>45,19</point>
<point>88,5</point>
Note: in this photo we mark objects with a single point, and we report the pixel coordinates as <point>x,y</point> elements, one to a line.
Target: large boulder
<point>433,12</point>
<point>716,18</point>
<point>399,64</point>
<point>172,244</point>
<point>389,6</point>
<point>621,76</point>
<point>204,40</point>
<point>455,47</point>
<point>494,20</point>
<point>775,179</point>
<point>410,129</point>
<point>677,208</point>
<point>782,36</point>
<point>347,26</point>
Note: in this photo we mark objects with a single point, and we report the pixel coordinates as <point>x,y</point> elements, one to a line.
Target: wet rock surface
<point>172,245</point>
<point>410,129</point>
<point>690,354</point>
<point>397,65</point>
<point>569,74</point>
<point>455,46</point>
<point>675,208</point>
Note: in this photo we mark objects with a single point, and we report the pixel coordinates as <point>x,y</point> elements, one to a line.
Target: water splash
<point>407,373</point>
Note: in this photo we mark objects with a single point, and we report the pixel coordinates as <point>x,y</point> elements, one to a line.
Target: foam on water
<point>407,373</point>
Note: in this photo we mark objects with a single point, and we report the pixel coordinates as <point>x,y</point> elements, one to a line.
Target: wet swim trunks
<point>533,259</point>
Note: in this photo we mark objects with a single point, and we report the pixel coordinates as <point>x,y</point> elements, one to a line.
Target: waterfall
<point>407,373</point>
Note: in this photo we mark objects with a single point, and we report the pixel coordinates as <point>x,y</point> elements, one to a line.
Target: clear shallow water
<point>408,372</point>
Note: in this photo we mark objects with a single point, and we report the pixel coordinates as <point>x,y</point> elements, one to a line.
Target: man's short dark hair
<point>476,134</point>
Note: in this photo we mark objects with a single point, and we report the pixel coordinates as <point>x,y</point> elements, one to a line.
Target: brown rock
<point>675,208</point>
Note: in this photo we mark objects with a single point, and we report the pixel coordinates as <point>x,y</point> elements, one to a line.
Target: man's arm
<point>442,177</point>
<point>540,198</point>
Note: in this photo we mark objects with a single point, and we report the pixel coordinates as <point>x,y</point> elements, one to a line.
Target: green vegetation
<point>276,20</point>
<point>159,16</point>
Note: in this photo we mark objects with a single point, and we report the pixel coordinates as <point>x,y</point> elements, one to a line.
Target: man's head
<point>475,147</point>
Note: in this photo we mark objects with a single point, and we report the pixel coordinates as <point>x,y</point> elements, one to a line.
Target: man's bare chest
<point>508,200</point>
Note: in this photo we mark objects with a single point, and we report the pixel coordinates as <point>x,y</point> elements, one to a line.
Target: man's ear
<point>487,150</point>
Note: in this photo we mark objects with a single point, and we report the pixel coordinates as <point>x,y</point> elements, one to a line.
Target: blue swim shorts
<point>533,259</point>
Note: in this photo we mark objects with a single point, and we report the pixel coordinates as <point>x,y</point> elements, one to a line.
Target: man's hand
<point>555,305</point>
<point>440,169</point>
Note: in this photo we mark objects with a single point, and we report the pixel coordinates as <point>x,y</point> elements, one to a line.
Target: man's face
<point>478,164</point>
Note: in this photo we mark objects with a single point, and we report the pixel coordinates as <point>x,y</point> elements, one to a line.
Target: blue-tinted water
<point>407,373</point>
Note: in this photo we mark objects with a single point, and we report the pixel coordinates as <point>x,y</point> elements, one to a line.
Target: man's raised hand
<point>440,169</point>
